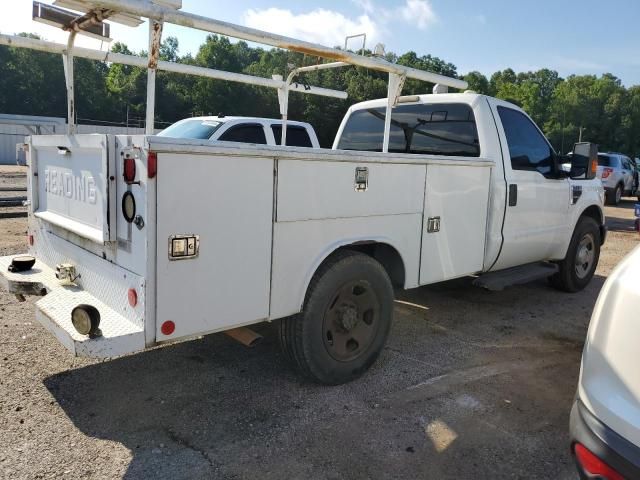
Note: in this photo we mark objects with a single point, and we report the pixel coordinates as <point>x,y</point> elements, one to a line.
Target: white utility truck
<point>143,240</point>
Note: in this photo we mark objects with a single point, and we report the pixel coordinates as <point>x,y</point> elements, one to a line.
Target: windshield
<point>191,128</point>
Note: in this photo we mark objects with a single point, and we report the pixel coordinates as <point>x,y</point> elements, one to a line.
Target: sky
<point>570,36</point>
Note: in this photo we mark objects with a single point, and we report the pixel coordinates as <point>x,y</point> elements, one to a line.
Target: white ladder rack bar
<point>142,62</point>
<point>145,8</point>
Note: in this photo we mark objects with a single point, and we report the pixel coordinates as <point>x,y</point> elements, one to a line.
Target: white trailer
<point>142,240</point>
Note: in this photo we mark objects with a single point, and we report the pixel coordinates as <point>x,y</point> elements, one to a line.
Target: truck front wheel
<point>578,267</point>
<point>345,321</point>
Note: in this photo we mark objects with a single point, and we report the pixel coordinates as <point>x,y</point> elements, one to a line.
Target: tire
<point>578,267</point>
<point>615,196</point>
<point>345,321</point>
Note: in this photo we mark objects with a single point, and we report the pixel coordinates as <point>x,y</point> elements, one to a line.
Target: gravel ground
<point>472,384</point>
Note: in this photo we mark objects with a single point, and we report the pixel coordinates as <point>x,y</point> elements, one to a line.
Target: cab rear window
<point>437,129</point>
<point>296,136</point>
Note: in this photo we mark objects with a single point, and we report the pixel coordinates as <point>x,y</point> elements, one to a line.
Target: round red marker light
<point>133,297</point>
<point>168,327</point>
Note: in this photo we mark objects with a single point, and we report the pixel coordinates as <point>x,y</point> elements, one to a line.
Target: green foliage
<point>32,83</point>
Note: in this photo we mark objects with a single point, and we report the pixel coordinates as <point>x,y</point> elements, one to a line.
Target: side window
<point>296,136</point>
<point>245,134</point>
<point>436,129</point>
<point>529,150</point>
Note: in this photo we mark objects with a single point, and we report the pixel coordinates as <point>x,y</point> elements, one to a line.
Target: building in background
<point>13,129</point>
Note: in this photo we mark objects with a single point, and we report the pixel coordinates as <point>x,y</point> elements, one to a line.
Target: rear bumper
<point>606,444</point>
<point>119,335</point>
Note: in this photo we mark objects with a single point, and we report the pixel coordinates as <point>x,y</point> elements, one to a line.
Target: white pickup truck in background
<point>256,130</point>
<point>156,239</point>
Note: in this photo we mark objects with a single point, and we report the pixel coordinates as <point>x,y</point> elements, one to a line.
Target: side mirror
<point>584,161</point>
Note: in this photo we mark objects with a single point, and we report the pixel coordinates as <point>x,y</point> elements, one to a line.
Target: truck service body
<point>263,219</point>
<point>157,239</point>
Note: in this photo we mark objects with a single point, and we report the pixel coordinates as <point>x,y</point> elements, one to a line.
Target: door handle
<point>513,195</point>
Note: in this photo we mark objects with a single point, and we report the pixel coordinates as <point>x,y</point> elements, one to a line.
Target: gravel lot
<point>472,384</point>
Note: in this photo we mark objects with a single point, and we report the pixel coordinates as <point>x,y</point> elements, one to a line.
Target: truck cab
<point>534,204</point>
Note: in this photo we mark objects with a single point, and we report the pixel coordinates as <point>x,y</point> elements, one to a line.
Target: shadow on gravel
<point>211,408</point>
<point>178,409</point>
<point>615,224</point>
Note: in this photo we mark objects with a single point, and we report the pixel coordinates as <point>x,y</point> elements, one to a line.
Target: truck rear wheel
<point>578,267</point>
<point>345,321</point>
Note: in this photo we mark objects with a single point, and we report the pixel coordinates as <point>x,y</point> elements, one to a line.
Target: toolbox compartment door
<point>69,185</point>
<point>455,221</point>
<point>226,203</point>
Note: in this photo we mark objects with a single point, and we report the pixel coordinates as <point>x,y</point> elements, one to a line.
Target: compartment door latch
<point>362,179</point>
<point>182,247</point>
<point>433,224</point>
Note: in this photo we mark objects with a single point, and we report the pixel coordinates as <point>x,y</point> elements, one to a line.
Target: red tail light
<point>593,466</point>
<point>606,172</point>
<point>129,170</point>
<point>152,164</point>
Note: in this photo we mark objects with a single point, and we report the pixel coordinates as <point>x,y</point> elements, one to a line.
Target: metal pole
<point>364,41</point>
<point>145,8</point>
<point>284,96</point>
<point>67,58</point>
<point>283,100</point>
<point>394,89</point>
<point>155,35</point>
<point>102,56</point>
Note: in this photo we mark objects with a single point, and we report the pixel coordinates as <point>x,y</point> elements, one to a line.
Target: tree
<point>477,82</point>
<point>32,83</point>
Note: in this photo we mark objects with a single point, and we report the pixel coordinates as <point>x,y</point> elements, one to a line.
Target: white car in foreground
<point>605,419</point>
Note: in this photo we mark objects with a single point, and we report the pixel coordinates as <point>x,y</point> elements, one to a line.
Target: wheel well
<point>384,253</point>
<point>594,212</point>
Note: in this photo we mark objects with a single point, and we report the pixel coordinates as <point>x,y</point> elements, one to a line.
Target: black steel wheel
<point>351,321</point>
<point>345,321</point>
